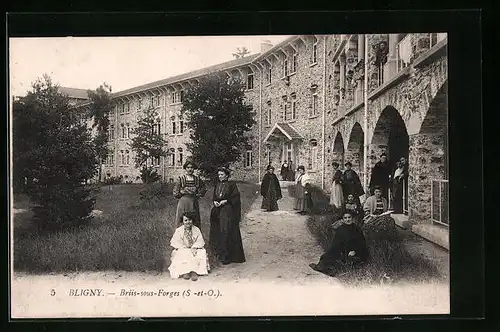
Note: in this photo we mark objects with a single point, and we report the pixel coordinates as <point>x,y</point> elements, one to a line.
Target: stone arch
<point>338,151</point>
<point>428,159</point>
<point>390,137</point>
<point>355,148</point>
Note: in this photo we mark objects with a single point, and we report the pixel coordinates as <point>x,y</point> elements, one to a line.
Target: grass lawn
<point>130,235</point>
<point>390,260</point>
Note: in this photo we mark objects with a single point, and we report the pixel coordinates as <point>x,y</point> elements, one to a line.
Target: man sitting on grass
<point>189,258</point>
<point>348,248</point>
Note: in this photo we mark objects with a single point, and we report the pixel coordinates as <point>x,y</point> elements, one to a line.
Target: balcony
<point>407,49</point>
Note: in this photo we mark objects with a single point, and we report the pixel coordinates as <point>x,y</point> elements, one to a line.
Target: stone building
<point>75,96</point>
<point>319,99</point>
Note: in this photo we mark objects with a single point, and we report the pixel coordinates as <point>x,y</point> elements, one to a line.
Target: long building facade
<point>319,99</point>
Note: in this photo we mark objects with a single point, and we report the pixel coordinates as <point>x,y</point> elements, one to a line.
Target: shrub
<point>389,258</point>
<point>149,175</point>
<point>111,180</point>
<point>155,191</point>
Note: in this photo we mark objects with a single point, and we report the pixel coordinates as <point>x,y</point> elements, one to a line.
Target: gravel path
<point>275,280</point>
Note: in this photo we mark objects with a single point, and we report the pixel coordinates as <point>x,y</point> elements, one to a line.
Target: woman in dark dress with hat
<point>270,190</point>
<point>225,218</point>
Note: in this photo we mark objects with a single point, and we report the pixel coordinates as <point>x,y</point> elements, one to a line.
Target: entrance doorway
<point>391,137</point>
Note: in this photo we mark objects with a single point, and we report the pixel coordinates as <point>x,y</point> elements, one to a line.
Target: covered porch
<point>282,143</point>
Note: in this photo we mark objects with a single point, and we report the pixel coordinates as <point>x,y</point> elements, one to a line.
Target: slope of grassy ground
<point>130,235</point>
<point>390,260</point>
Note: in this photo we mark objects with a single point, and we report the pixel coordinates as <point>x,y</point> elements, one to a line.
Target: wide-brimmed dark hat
<point>348,164</point>
<point>269,167</point>
<point>225,170</point>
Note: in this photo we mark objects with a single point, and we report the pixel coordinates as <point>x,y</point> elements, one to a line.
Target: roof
<point>189,75</point>
<point>73,92</point>
<point>285,129</point>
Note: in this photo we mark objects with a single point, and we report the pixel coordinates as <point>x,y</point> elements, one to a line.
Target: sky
<point>122,62</point>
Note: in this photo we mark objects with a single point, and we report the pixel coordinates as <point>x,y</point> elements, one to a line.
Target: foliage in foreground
<point>131,235</point>
<point>219,120</point>
<point>54,153</point>
<point>389,260</point>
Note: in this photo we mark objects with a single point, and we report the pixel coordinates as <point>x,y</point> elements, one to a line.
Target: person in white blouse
<point>303,201</point>
<point>189,257</point>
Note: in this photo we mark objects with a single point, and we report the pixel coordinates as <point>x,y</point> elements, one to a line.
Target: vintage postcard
<point>210,176</point>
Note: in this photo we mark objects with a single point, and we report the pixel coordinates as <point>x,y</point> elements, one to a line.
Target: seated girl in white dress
<point>189,258</point>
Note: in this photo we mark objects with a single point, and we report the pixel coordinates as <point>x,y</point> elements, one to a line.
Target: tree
<point>100,108</point>
<point>148,143</point>
<point>53,149</point>
<point>241,52</point>
<point>218,118</point>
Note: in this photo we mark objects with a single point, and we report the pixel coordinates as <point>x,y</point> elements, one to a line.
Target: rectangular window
<point>122,155</point>
<point>128,107</point>
<point>111,135</point>
<point>294,62</point>
<point>315,51</point>
<point>248,159</point>
<point>139,104</point>
<point>285,67</point>
<point>180,160</point>
<point>128,157</point>
<point>294,109</point>
<point>314,106</point>
<point>313,158</point>
<point>269,74</point>
<point>157,100</point>
<point>181,96</point>
<point>250,81</point>
<point>172,159</point>
<point>181,126</point>
<point>129,131</point>
<point>156,161</point>
<point>285,110</point>
<point>174,127</point>
<point>124,132</point>
<point>269,114</point>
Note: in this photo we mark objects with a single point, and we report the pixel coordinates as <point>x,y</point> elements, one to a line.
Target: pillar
<point>361,47</point>
<point>426,162</point>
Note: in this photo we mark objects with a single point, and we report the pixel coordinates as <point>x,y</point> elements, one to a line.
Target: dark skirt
<point>397,199</point>
<point>270,201</point>
<point>303,200</point>
<point>225,236</point>
<point>188,203</point>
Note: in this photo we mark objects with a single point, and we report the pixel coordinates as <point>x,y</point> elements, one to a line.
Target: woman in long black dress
<point>348,248</point>
<point>351,184</point>
<point>225,218</point>
<point>270,190</point>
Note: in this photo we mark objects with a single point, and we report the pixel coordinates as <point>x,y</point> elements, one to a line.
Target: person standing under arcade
<point>380,176</point>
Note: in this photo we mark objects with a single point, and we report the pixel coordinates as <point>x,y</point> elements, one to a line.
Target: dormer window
<point>314,56</point>
<point>250,78</point>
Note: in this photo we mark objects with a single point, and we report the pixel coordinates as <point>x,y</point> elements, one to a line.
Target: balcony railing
<point>439,202</point>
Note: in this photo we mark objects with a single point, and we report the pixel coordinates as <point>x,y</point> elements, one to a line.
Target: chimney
<point>265,46</point>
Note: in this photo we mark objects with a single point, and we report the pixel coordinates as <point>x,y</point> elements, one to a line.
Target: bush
<point>155,191</point>
<point>111,180</point>
<point>389,259</point>
<point>149,175</point>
